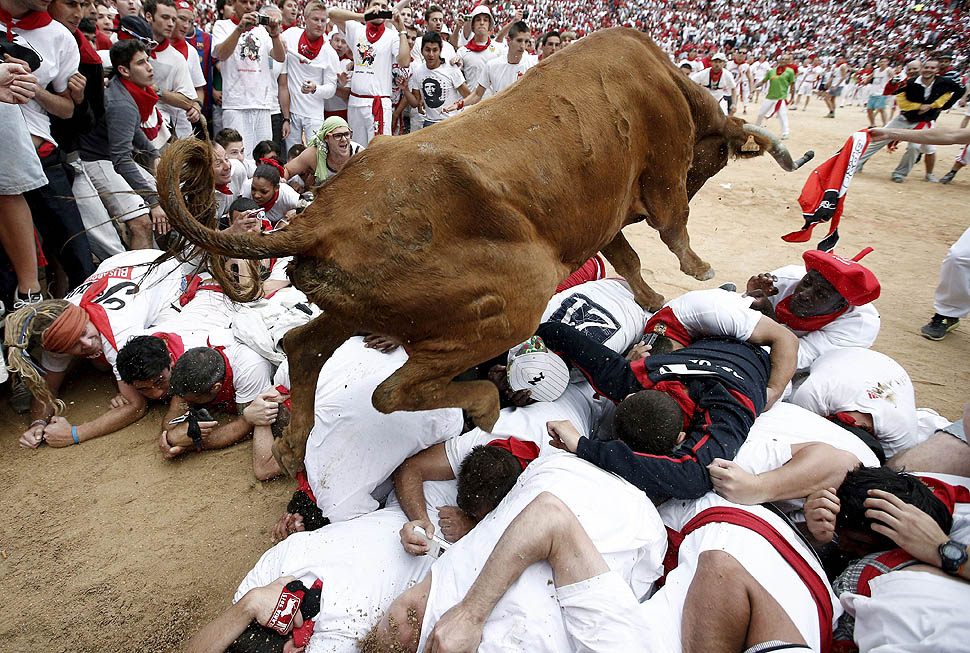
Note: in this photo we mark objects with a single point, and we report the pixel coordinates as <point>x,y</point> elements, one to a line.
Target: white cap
<point>719,55</point>
<point>481,9</point>
<point>533,367</point>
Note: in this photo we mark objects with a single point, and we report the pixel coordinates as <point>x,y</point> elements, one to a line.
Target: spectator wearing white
<point>229,177</point>
<point>808,82</point>
<point>185,28</point>
<point>375,49</point>
<point>311,70</point>
<point>245,47</point>
<point>877,100</point>
<point>176,92</point>
<point>481,49</point>
<point>502,72</point>
<point>741,69</point>
<point>720,83</point>
<point>337,105</point>
<point>438,83</point>
<point>434,21</point>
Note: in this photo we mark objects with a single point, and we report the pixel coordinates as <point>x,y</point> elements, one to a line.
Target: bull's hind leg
<point>625,260</point>
<point>424,382</point>
<point>307,348</point>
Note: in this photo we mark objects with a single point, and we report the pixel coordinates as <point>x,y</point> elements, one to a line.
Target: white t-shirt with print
<point>473,63</point>
<point>248,81</point>
<point>604,310</point>
<point>372,62</point>
<point>58,49</point>
<point>321,70</point>
<point>438,87</point>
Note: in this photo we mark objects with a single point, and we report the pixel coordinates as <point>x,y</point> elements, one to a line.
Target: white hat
<point>481,9</point>
<point>533,367</point>
<point>719,55</point>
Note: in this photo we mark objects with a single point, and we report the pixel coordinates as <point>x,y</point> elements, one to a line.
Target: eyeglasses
<point>345,136</point>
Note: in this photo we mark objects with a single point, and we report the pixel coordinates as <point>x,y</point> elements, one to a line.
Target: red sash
<point>665,323</point>
<point>377,110</point>
<point>817,586</point>
<point>777,106</point>
<point>226,399</point>
<point>784,315</point>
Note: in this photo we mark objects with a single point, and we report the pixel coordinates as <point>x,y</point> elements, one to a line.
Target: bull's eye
<point>724,149</point>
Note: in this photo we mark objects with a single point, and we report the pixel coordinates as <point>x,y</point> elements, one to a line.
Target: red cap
<point>856,283</point>
<point>183,4</point>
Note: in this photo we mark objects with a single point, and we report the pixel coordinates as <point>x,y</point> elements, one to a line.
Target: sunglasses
<point>151,43</point>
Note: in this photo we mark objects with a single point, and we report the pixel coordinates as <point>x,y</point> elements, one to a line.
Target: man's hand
<point>76,84</point>
<point>217,97</point>
<point>450,107</point>
<point>923,108</point>
<point>118,401</point>
<point>563,435</point>
<point>383,344</point>
<point>246,223</point>
<point>308,87</point>
<point>398,21</point>
<point>498,375</point>
<point>459,630</point>
<point>762,285</point>
<point>179,437</point>
<point>159,220</point>
<point>285,129</point>
<point>455,61</point>
<point>168,451</point>
<point>878,134</point>
<point>288,524</point>
<point>821,509</point>
<point>274,27</point>
<point>343,78</point>
<point>33,436</point>
<point>193,114</point>
<point>906,525</point>
<point>455,523</point>
<point>735,484</point>
<point>260,602</point>
<point>263,410</point>
<point>414,543</point>
<point>58,432</point>
<point>17,85</point>
<point>638,351</point>
<point>248,21</point>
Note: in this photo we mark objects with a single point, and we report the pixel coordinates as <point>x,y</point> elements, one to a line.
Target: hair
<point>123,52</point>
<point>431,37</point>
<point>662,345</point>
<point>313,5</point>
<point>142,359</point>
<point>151,6</point>
<point>855,490</point>
<point>243,204</point>
<point>517,28</point>
<point>649,422</point>
<point>26,325</point>
<point>263,148</point>
<point>433,9</point>
<point>197,371</point>
<point>267,172</point>
<point>87,26</point>
<point>548,35</point>
<point>295,151</point>
<point>257,638</point>
<point>486,475</point>
<point>227,135</point>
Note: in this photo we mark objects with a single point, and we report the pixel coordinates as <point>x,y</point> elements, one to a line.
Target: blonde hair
<point>314,5</point>
<point>26,325</point>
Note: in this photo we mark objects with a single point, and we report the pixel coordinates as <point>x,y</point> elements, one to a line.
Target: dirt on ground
<point>108,547</point>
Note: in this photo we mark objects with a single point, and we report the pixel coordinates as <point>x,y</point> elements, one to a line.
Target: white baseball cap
<point>719,55</point>
<point>481,9</point>
<point>533,367</point>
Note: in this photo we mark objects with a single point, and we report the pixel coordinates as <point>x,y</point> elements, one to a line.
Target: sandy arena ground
<point>108,547</point>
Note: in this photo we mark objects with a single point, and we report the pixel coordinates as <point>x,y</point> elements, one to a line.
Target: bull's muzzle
<point>778,151</point>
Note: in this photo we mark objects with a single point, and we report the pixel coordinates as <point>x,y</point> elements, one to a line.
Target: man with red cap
<point>827,303</point>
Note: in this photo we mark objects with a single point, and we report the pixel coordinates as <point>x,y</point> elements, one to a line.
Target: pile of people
<point>750,439</point>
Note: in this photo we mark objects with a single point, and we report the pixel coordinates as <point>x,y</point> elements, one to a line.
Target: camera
<point>263,20</point>
<point>525,13</point>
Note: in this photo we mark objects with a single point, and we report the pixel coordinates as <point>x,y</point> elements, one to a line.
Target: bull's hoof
<point>487,421</point>
<point>704,276</point>
<point>287,459</point>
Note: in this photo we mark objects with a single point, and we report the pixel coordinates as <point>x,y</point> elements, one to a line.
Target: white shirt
<point>473,63</point>
<point>321,70</point>
<point>715,313</point>
<point>500,74</point>
<point>247,76</point>
<point>739,71</point>
<point>237,182</point>
<point>58,49</point>
<point>880,78</point>
<point>195,68</point>
<point>352,448</point>
<point>172,74</point>
<point>372,62</point>
<point>438,87</point>
<point>857,327</point>
<point>604,310</point>
<point>863,380</point>
<point>132,300</point>
<point>718,89</point>
<point>251,373</point>
<point>288,199</point>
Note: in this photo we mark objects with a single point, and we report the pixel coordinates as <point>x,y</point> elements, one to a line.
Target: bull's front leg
<point>307,348</point>
<point>626,261</point>
<point>677,240</point>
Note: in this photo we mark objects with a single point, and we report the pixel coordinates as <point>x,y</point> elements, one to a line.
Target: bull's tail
<point>185,192</point>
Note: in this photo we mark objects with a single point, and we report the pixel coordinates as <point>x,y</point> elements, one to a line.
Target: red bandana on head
<point>33,20</point>
<point>307,48</point>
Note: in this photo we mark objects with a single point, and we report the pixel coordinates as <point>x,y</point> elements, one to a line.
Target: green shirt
<point>778,84</point>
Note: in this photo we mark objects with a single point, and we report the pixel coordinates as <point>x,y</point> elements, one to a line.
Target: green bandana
<point>319,141</point>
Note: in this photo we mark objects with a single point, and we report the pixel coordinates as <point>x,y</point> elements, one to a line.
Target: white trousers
<point>302,129</point>
<point>101,231</point>
<point>952,297</point>
<point>362,123</point>
<point>253,124</point>
<point>768,106</point>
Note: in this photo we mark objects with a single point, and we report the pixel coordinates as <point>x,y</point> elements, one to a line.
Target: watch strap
<point>952,565</point>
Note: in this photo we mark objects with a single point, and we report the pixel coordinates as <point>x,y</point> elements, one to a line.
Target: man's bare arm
<point>784,355</point>
<point>429,465</point>
<point>936,136</point>
<point>339,17</point>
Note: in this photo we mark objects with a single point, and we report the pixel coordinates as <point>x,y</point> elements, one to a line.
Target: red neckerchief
<point>665,323</point>
<point>525,452</point>
<point>182,47</point>
<point>784,315</point>
<point>194,286</point>
<point>234,19</point>
<point>283,390</point>
<point>817,586</point>
<point>284,26</point>
<point>226,399</point>
<point>103,40</point>
<point>146,99</point>
<point>718,78</point>
<point>374,32</point>
<point>173,343</point>
<point>473,46</point>
<point>161,47</point>
<point>307,48</point>
<point>270,204</point>
<point>99,318</point>
<point>88,53</point>
<point>224,189</point>
<point>32,20</point>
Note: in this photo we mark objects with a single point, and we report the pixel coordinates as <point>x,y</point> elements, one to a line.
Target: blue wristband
<point>74,435</point>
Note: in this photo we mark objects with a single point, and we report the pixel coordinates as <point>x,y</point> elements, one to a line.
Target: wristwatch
<point>954,556</point>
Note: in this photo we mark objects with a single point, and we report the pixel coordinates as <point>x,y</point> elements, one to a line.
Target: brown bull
<point>452,239</point>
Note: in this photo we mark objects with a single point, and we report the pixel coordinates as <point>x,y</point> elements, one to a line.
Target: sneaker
<point>948,177</point>
<point>784,137</point>
<point>939,326</point>
<point>831,114</point>
<point>930,177</point>
<point>898,179</point>
<point>793,109</point>
<point>21,300</point>
<point>730,287</point>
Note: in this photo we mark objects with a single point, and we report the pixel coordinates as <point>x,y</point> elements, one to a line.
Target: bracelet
<point>38,421</point>
<point>74,435</point>
<point>286,119</point>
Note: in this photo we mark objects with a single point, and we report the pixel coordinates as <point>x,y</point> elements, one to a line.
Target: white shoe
<point>931,178</point>
<point>784,137</point>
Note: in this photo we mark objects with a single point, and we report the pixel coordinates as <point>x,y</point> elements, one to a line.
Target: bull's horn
<point>778,151</point>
